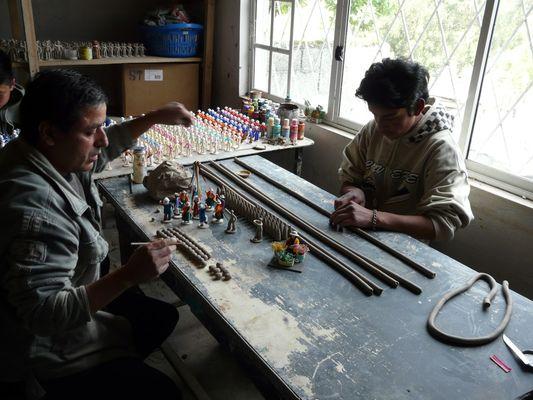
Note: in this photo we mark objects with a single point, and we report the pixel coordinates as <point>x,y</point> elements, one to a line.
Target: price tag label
<point>153,74</point>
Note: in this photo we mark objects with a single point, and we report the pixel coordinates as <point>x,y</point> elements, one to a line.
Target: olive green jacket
<point>50,249</point>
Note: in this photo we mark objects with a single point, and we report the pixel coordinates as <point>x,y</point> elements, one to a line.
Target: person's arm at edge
<point>418,226</point>
<point>173,113</point>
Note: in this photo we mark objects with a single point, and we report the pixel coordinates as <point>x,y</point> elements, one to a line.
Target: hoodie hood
<point>436,119</point>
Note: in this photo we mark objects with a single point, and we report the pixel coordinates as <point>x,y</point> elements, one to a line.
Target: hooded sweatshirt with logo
<point>421,173</point>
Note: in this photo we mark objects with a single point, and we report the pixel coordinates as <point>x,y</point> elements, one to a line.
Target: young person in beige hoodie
<point>403,171</point>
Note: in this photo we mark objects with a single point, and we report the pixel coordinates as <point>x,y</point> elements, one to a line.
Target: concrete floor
<point>201,368</point>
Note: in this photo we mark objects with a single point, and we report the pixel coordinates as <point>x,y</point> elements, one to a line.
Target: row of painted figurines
<point>180,207</point>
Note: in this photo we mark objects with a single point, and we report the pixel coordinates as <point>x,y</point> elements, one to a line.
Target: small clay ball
<point>218,276</point>
<point>227,277</point>
<point>219,264</point>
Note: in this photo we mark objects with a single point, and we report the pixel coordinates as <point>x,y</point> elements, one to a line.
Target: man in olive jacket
<point>65,330</point>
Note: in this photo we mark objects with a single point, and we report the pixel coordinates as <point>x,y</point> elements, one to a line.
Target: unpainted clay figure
<point>258,231</point>
<point>96,49</point>
<point>231,222</point>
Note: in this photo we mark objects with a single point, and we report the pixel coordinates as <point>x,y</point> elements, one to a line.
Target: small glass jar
<point>139,164</point>
<point>86,53</point>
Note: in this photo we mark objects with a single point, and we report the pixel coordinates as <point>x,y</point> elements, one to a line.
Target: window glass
<point>502,137</point>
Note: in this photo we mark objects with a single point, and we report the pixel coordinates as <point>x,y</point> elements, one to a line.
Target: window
<point>479,55</point>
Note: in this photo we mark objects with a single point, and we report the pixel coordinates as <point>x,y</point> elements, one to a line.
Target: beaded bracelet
<point>374,219</point>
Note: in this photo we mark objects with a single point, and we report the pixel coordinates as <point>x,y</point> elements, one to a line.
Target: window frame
<point>484,173</point>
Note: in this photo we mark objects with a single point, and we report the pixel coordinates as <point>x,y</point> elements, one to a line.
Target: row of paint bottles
<point>293,130</point>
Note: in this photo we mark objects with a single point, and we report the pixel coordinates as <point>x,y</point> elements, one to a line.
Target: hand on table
<point>351,214</point>
<point>354,195</point>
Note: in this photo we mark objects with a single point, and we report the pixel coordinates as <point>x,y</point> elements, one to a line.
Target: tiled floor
<point>205,369</point>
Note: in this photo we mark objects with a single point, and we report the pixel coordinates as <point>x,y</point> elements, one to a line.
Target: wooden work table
<point>314,335</point>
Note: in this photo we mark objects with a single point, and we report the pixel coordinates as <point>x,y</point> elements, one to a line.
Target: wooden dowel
<point>413,264</point>
<point>364,284</point>
<point>381,273</point>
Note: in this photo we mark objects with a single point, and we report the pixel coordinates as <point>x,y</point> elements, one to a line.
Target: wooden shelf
<point>119,60</point>
<point>22,11</point>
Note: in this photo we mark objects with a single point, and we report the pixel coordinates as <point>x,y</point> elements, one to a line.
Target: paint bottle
<point>276,130</point>
<point>301,130</point>
<point>294,130</point>
<point>270,126</point>
<point>285,128</point>
<point>139,164</point>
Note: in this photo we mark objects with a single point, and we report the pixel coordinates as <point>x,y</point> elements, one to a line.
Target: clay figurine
<point>218,216</point>
<point>167,210</point>
<point>186,213</point>
<point>210,199</point>
<point>231,222</point>
<point>183,198</point>
<point>195,207</point>
<point>258,231</point>
<point>202,217</point>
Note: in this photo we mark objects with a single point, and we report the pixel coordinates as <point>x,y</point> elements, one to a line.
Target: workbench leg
<point>298,160</point>
<point>124,239</point>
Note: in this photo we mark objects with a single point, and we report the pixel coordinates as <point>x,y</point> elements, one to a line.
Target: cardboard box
<point>148,86</point>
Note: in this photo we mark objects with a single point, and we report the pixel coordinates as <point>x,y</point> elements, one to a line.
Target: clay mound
<point>168,178</point>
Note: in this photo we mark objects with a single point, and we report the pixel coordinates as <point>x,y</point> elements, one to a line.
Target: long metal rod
<point>376,269</point>
<point>413,264</point>
<point>364,284</point>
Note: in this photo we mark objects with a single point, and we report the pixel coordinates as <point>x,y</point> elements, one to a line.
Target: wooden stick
<point>364,284</point>
<point>380,272</point>
<point>375,241</point>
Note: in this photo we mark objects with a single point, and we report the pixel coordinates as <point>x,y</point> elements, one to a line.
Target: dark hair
<point>58,96</point>
<point>6,70</point>
<point>394,84</point>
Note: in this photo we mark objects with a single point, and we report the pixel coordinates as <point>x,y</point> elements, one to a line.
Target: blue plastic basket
<point>173,40</point>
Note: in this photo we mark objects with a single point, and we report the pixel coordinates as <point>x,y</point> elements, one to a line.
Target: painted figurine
<point>231,222</point>
<point>210,197</point>
<point>177,208</point>
<point>202,217</point>
<point>195,207</point>
<point>258,231</point>
<point>167,210</point>
<point>183,198</point>
<point>218,216</point>
<point>292,241</point>
<point>186,213</point>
